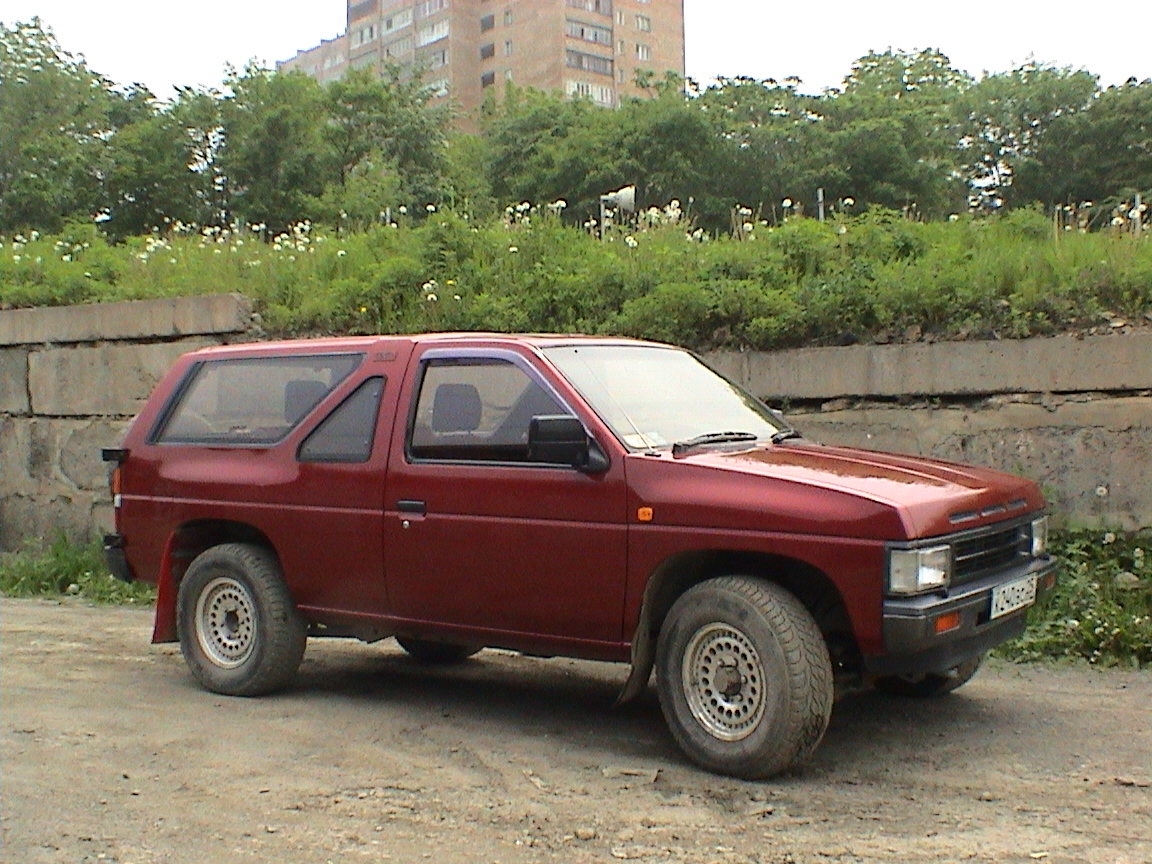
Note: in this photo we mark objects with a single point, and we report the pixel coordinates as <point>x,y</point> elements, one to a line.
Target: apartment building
<point>467,49</point>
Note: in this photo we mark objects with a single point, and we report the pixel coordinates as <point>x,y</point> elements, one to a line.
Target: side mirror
<point>560,439</point>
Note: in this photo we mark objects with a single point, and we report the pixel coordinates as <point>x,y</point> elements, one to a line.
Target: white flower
<point>1109,538</point>
<point>431,208</point>
<point>341,254</point>
<point>849,201</point>
<point>431,298</point>
<point>1101,491</point>
<point>513,249</point>
<point>630,241</point>
<point>786,203</point>
<point>403,210</point>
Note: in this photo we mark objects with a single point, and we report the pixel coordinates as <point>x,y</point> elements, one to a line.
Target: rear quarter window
<point>254,400</point>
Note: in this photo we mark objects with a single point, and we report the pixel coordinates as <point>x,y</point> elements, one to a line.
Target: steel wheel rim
<point>723,679</point>
<point>226,622</point>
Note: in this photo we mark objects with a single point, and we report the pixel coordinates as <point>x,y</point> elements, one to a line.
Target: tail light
<point>115,479</point>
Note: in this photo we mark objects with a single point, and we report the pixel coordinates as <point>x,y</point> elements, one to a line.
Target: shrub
<point>65,568</point>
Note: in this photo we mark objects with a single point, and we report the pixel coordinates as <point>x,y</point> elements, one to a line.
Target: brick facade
<point>470,48</point>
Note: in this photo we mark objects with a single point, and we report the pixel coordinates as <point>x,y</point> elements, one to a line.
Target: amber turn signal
<point>644,514</point>
<point>947,622</point>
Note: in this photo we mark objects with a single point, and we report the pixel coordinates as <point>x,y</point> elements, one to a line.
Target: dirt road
<point>111,754</point>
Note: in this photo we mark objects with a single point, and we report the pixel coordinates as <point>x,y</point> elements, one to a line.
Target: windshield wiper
<point>682,447</point>
<point>785,435</point>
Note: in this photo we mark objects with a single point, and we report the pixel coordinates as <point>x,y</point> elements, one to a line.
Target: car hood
<point>929,497</point>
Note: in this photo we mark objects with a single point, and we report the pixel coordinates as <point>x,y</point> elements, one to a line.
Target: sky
<point>163,45</point>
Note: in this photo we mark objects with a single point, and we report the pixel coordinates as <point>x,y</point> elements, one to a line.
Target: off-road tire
<point>437,653</point>
<point>775,715</point>
<point>240,633</point>
<point>927,686</point>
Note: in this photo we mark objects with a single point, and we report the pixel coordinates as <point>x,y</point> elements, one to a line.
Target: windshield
<point>653,397</point>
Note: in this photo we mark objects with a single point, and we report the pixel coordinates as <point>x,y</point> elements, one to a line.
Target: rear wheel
<point>744,677</point>
<point>240,633</point>
<point>439,653</point>
<point>923,686</point>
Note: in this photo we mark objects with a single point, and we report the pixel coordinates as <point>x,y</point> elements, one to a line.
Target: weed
<point>66,568</point>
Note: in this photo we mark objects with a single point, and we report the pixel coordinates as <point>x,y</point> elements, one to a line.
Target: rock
<point>586,834</point>
<point>913,333</point>
<point>1124,579</point>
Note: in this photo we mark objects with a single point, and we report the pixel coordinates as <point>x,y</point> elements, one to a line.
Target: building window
<point>487,23</point>
<point>487,52</point>
<point>590,63</point>
<point>589,32</point>
<point>399,49</point>
<point>598,93</point>
<point>508,48</point>
<point>487,79</point>
<point>437,59</point>
<point>430,7</point>
<point>364,35</point>
<point>620,17</point>
<point>432,33</point>
<point>397,21</point>
<point>438,89</point>
<point>621,75</point>
<point>507,74</point>
<point>604,7</point>
<point>621,47</point>
<point>507,17</point>
<point>643,52</point>
<point>644,23</point>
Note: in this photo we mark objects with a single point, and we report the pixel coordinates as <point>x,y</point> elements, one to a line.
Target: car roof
<point>350,344</point>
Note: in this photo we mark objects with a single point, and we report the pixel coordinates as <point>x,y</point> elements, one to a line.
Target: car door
<point>479,537</point>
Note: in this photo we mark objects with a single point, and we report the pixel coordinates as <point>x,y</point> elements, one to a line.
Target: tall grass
<point>803,282</point>
<point>64,568</point>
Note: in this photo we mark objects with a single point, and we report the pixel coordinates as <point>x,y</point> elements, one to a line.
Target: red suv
<point>600,498</point>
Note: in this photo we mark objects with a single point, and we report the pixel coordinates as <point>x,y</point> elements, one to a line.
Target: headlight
<point>1040,537</point>
<point>911,571</point>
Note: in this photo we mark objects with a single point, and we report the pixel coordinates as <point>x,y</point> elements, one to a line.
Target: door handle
<point>410,506</point>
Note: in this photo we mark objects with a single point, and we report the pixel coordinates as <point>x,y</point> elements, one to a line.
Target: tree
<point>54,127</point>
<point>1009,118</point>
<point>1098,154</point>
<point>383,126</point>
<point>894,133</point>
<point>275,160</point>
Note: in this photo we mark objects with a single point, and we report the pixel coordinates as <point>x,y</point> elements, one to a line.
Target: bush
<point>1101,608</point>
<point>802,283</point>
<point>63,568</point>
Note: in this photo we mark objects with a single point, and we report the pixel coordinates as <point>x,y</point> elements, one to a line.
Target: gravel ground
<point>110,753</point>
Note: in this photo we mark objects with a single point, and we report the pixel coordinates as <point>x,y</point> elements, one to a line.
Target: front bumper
<point>913,647</point>
<point>115,558</point>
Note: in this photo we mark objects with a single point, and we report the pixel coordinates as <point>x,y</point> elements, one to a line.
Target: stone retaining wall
<point>71,379</point>
<point>1073,414</point>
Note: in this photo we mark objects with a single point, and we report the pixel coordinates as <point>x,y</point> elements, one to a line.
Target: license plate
<point>1013,596</point>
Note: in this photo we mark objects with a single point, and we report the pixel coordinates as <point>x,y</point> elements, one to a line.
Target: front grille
<point>975,556</point>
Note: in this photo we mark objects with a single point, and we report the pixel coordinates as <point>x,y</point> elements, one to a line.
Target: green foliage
<point>69,569</point>
<point>801,283</point>
<point>1101,608</point>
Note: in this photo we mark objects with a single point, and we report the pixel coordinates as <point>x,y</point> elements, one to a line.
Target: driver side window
<point>476,410</point>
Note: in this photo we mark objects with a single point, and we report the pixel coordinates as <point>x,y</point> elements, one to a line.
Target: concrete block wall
<point>71,379</point>
<point>1074,414</point>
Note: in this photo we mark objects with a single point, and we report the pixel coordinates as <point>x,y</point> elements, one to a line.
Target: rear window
<point>253,400</point>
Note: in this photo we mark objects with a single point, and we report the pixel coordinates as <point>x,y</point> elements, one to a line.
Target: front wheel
<point>240,633</point>
<point>744,677</point>
<point>924,686</point>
